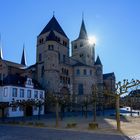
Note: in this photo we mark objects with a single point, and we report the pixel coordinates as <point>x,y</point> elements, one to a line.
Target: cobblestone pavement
<point>30,133</point>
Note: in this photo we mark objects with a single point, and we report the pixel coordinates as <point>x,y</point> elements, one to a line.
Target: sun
<point>91,40</point>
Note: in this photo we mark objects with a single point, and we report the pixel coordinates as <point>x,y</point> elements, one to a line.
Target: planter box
<point>93,125</point>
<point>71,125</point>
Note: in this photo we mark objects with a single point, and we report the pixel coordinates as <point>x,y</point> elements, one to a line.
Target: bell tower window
<point>42,71</point>
<point>50,47</point>
<point>40,57</point>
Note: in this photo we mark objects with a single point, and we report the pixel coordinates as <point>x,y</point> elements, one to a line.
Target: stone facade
<point>56,70</point>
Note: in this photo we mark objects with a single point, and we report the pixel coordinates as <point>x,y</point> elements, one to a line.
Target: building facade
<point>58,72</point>
<point>21,89</point>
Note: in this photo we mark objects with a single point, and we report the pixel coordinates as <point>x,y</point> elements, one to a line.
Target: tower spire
<point>23,59</point>
<point>98,61</point>
<point>1,54</point>
<point>82,16</point>
<point>53,13</point>
<point>83,32</point>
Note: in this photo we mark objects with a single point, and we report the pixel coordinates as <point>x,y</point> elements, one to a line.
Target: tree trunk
<point>86,111</point>
<point>57,114</point>
<point>39,110</point>
<point>131,108</point>
<point>94,112</point>
<point>3,114</point>
<point>118,112</point>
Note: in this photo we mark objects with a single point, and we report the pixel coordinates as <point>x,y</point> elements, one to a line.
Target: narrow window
<point>40,57</point>
<point>22,93</point>
<point>64,57</point>
<point>50,47</point>
<point>36,94</point>
<point>14,92</point>
<point>61,79</point>
<point>81,44</point>
<point>28,93</point>
<point>68,80</point>
<point>5,92</point>
<point>77,72</point>
<point>80,89</point>
<point>41,95</point>
<point>90,72</point>
<point>75,46</point>
<point>85,72</point>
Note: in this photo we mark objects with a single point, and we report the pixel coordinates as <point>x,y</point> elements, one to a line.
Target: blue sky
<point>115,23</point>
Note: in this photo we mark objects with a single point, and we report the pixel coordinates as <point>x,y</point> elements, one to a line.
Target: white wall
<point>6,96</point>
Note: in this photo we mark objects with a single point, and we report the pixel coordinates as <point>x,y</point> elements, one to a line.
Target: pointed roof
<point>98,61</point>
<point>1,54</point>
<point>53,25</point>
<point>107,75</point>
<point>83,32</point>
<point>23,59</point>
<point>51,36</point>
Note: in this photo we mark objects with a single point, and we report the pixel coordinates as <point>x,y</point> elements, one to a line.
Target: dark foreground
<point>30,133</point>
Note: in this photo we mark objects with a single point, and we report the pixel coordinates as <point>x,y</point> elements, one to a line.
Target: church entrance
<point>29,111</point>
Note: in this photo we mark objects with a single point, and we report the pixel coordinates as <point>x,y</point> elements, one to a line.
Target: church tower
<point>23,58</point>
<point>52,49</point>
<point>82,50</point>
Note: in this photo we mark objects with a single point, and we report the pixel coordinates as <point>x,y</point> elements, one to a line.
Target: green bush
<point>30,123</point>
<point>71,125</point>
<point>22,123</point>
<point>39,124</point>
<point>93,125</point>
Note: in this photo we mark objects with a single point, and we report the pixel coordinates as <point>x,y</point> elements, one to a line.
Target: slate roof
<point>51,36</point>
<point>32,66</point>
<point>16,80</point>
<point>13,64</point>
<point>83,32</point>
<point>53,25</point>
<point>135,92</point>
<point>98,61</point>
<point>107,75</point>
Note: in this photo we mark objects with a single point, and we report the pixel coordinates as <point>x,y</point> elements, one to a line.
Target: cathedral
<point>58,72</point>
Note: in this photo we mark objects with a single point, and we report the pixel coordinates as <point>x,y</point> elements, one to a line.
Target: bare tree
<point>121,89</point>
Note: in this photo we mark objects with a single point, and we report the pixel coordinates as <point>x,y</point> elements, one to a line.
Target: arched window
<point>77,72</point>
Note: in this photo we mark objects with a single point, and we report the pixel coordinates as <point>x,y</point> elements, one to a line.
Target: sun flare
<point>92,40</point>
